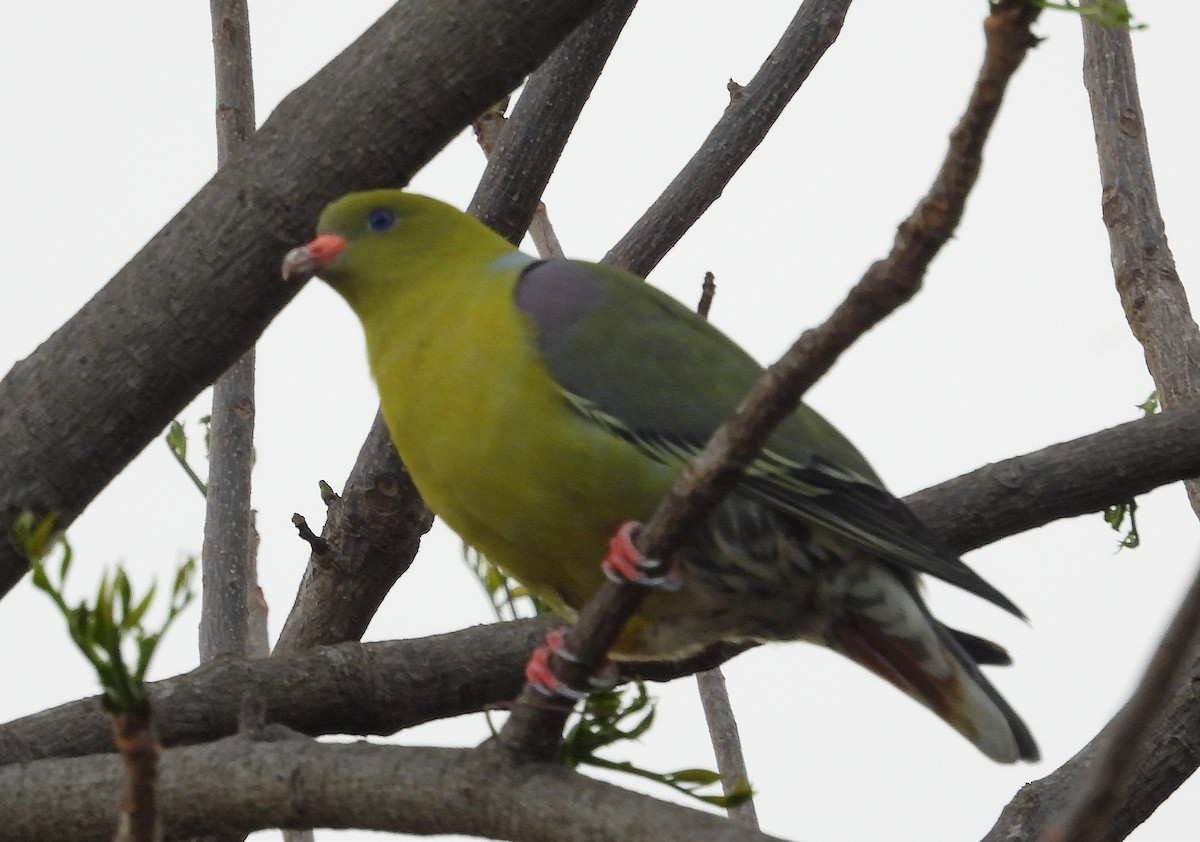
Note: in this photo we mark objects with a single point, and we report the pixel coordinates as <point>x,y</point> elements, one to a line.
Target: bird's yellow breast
<point>493,445</point>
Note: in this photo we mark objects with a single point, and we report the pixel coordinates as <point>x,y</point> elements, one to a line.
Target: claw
<point>540,674</point>
<point>542,677</point>
<point>607,678</point>
<point>625,563</point>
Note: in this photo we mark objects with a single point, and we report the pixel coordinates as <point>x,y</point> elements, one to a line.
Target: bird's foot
<point>625,563</point>
<point>541,675</point>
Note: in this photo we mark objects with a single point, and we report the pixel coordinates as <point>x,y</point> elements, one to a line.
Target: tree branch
<point>240,785</point>
<point>1088,815</point>
<point>535,134</point>
<point>371,535</point>
<point>1152,294</point>
<point>351,688</point>
<point>1063,480</point>
<point>228,556</point>
<point>229,564</point>
<point>137,744</point>
<point>727,743</point>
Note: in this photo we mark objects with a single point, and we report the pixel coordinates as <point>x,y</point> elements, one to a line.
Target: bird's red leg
<point>541,675</point>
<point>625,563</point>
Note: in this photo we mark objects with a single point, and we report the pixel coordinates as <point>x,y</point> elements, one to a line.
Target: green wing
<point>647,369</point>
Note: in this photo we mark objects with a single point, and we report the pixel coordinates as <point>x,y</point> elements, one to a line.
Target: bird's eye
<point>381,219</point>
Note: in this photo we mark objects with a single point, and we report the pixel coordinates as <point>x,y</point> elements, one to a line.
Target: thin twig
<point>727,743</point>
<point>320,547</point>
<point>752,111</point>
<point>887,284</point>
<point>710,684</point>
<point>230,589</point>
<point>543,236</point>
<point>137,742</point>
<point>708,290</point>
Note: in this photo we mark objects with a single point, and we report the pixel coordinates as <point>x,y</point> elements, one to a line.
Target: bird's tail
<point>887,628</point>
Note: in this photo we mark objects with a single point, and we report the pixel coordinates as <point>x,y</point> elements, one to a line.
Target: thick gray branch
<point>371,535</point>
<point>240,785</point>
<point>228,555</point>
<point>533,138</point>
<point>1152,294</point>
<point>352,688</point>
<point>1063,480</point>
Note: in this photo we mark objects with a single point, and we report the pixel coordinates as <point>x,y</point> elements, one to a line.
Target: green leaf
<point>121,591</point>
<point>35,536</point>
<point>206,423</point>
<point>104,629</point>
<point>182,586</point>
<point>1115,516</point>
<point>1150,405</point>
<point>116,620</point>
<point>40,580</point>
<point>177,440</point>
<point>145,650</point>
<point>78,624</point>
<point>133,618</point>
<point>1112,14</point>
<point>611,716</point>
<point>698,777</point>
<point>328,495</point>
<point>65,565</point>
<point>737,795</point>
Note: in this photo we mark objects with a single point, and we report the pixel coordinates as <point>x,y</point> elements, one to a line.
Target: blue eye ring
<point>381,219</point>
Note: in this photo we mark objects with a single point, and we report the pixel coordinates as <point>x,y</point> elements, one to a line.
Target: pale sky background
<point>1017,342</point>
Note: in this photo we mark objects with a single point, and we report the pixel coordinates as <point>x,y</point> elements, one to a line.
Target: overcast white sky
<point>1016,342</point>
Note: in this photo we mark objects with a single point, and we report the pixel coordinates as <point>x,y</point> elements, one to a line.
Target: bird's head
<point>373,243</point>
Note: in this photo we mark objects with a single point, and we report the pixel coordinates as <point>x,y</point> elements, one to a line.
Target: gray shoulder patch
<point>556,294</point>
